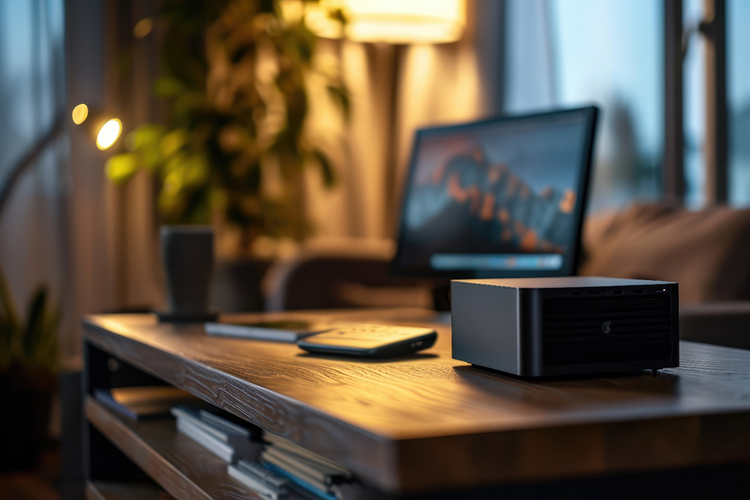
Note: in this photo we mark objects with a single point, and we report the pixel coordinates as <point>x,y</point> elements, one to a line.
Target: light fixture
<point>143,28</point>
<point>105,130</point>
<point>80,113</point>
<point>397,23</point>
<point>388,21</point>
<point>109,133</point>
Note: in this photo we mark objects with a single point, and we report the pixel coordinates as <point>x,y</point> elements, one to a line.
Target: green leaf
<point>37,345</point>
<point>33,342</point>
<point>34,324</point>
<point>8,311</point>
<point>167,87</point>
<point>338,15</point>
<point>10,324</point>
<point>340,96</point>
<point>145,136</point>
<point>7,335</point>
<point>173,142</point>
<point>46,351</point>
<point>120,168</point>
<point>326,169</point>
<point>145,142</point>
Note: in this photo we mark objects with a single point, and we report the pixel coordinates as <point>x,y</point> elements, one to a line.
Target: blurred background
<point>287,125</point>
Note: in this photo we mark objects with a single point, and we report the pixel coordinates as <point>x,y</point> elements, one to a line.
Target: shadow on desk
<point>574,390</point>
<point>726,482</point>
<point>355,359</point>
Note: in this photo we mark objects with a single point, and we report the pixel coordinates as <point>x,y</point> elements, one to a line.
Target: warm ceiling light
<point>80,113</point>
<point>391,21</point>
<point>143,27</point>
<point>108,134</point>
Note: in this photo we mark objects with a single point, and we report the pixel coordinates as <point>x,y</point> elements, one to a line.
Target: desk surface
<point>429,421</point>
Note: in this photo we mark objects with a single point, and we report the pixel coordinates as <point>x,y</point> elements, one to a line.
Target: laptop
<point>497,198</point>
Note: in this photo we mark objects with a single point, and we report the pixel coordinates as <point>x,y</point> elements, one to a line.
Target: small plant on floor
<point>29,341</point>
<point>28,364</point>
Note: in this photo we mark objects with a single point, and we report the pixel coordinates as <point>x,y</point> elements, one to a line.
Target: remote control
<point>370,341</point>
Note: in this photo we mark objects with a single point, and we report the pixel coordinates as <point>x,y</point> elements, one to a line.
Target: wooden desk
<point>425,423</point>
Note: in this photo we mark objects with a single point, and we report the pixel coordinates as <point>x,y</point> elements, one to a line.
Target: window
<point>694,106</point>
<point>32,82</point>
<point>565,53</point>
<point>738,97</point>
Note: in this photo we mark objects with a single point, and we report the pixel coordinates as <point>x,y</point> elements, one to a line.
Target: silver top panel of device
<point>564,282</point>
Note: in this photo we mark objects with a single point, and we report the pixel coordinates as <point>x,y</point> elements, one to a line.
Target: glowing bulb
<point>389,21</point>
<point>80,113</point>
<point>143,28</point>
<point>108,134</point>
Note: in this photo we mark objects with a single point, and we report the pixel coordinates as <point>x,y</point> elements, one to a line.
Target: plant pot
<point>25,406</point>
<point>188,258</point>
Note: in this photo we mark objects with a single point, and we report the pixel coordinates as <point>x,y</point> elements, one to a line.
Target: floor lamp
<point>397,23</point>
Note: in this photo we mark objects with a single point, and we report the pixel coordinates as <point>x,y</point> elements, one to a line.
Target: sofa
<point>707,252</point>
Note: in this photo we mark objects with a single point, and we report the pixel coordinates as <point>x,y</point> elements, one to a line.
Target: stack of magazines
<point>273,467</point>
<point>260,479</point>
<point>286,466</point>
<point>226,439</point>
<point>143,401</point>
<point>304,470</point>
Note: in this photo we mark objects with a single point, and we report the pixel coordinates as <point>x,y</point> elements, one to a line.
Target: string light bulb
<point>105,130</point>
<point>108,134</point>
<point>80,113</point>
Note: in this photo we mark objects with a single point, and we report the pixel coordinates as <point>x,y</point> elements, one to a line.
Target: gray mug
<point>188,257</point>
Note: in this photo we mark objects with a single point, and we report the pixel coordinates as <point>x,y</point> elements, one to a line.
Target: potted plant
<point>28,363</point>
<point>234,147</point>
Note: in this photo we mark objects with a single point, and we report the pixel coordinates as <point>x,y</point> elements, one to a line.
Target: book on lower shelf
<point>143,401</point>
<point>260,479</point>
<point>307,472</point>
<point>313,490</point>
<point>271,467</point>
<point>283,467</point>
<point>224,438</point>
<point>303,459</point>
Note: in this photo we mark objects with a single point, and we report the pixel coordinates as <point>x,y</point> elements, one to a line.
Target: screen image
<point>497,198</point>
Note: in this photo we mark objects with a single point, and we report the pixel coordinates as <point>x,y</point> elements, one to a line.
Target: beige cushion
<point>707,252</point>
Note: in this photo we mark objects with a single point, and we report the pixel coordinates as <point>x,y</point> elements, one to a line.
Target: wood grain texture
<point>430,422</point>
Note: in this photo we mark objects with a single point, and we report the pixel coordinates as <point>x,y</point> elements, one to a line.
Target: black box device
<point>537,327</point>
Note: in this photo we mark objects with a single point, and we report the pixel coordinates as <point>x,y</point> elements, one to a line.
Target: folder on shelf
<point>293,451</point>
<point>303,484</point>
<point>144,401</point>
<point>224,438</point>
<point>307,472</point>
<point>260,479</point>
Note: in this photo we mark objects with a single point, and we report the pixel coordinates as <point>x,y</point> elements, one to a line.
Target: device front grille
<point>606,329</point>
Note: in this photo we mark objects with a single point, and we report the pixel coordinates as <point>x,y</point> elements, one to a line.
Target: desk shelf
<point>413,426</point>
<point>180,465</point>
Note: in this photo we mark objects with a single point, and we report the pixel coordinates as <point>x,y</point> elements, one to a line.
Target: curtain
<point>569,53</point>
<point>32,105</point>
<point>438,84</point>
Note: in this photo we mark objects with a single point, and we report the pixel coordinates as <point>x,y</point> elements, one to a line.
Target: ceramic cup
<point>188,256</point>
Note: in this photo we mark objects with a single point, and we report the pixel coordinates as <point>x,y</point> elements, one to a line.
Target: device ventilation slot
<point>617,324</point>
<point>605,329</point>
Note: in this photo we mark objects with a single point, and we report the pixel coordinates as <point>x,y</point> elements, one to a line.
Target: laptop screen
<point>497,198</point>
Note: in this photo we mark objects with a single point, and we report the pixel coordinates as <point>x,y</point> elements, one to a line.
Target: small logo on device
<point>605,327</point>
